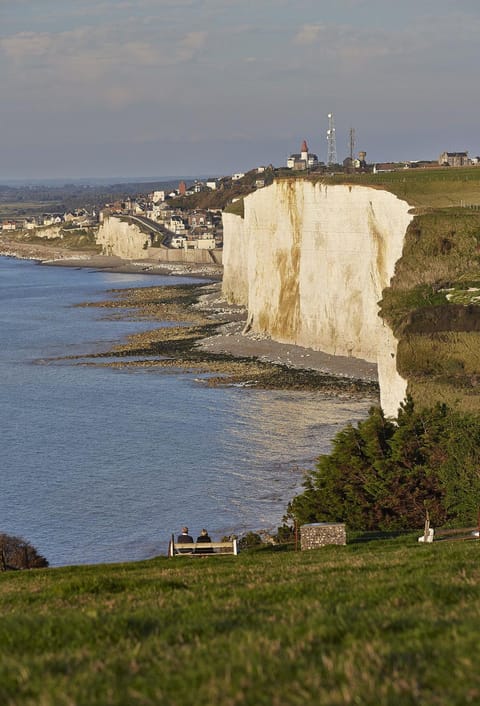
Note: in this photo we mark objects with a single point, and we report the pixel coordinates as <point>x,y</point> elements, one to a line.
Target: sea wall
<point>310,262</point>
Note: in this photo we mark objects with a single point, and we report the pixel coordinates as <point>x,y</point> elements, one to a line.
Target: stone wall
<point>321,534</point>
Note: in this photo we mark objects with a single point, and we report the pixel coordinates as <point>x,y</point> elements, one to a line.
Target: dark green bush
<point>384,474</point>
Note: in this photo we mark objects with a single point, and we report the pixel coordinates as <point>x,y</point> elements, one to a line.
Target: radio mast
<point>352,149</point>
<point>332,142</point>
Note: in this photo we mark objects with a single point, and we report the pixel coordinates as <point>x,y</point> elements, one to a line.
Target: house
<point>199,244</point>
<point>51,219</point>
<point>388,167</point>
<point>178,242</point>
<point>157,196</point>
<point>454,159</point>
<point>238,176</point>
<point>176,225</point>
<point>9,225</point>
<point>303,160</point>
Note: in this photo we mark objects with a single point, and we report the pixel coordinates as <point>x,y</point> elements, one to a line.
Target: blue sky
<point>167,87</point>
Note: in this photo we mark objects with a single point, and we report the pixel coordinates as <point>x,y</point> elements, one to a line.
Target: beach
<point>214,340</point>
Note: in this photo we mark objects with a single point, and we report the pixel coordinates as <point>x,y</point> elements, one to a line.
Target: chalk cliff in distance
<point>122,239</point>
<point>310,262</point>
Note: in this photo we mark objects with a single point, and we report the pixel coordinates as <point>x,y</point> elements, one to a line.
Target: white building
<point>303,159</point>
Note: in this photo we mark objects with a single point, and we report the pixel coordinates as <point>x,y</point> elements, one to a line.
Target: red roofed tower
<point>304,151</point>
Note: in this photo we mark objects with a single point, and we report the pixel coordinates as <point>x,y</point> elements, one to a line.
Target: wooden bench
<point>202,549</point>
<point>461,534</point>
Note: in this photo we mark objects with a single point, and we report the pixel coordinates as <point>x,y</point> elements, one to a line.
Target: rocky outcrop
<point>123,239</point>
<point>310,262</point>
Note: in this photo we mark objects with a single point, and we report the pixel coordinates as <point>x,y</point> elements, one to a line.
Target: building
<point>177,225</point>
<point>303,160</point>
<point>157,196</point>
<point>454,159</point>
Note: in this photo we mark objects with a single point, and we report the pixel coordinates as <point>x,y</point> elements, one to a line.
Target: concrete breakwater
<point>310,262</point>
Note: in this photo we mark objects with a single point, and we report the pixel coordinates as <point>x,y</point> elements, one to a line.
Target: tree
<point>16,553</point>
<point>384,474</point>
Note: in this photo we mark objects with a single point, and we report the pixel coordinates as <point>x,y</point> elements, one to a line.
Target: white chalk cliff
<point>310,262</point>
<point>122,239</point>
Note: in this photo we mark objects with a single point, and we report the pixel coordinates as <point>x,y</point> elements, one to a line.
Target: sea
<point>99,464</point>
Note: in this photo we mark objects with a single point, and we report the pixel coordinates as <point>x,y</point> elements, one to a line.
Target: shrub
<point>251,539</point>
<point>16,553</point>
<point>383,474</point>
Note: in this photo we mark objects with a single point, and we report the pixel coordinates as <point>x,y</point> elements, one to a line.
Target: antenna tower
<point>352,148</point>
<point>332,142</point>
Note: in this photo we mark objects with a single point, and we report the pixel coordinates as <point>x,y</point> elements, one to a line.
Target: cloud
<point>308,34</point>
<point>113,67</point>
<point>190,45</point>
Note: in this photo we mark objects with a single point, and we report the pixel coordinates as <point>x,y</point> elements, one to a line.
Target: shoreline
<point>210,339</point>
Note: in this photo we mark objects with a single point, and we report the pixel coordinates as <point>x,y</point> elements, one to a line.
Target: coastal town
<point>182,217</point>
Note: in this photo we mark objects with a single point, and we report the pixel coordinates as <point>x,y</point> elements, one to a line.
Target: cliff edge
<point>310,262</point>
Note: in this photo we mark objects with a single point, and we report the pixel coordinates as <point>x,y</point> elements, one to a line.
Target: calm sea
<point>101,465</point>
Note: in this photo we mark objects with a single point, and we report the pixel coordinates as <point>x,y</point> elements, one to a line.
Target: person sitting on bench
<point>185,538</point>
<point>203,538</point>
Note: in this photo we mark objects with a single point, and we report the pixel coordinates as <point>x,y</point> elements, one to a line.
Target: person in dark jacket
<point>203,538</point>
<point>185,538</point>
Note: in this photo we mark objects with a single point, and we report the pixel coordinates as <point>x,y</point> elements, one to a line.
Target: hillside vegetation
<point>376,622</point>
<point>433,302</point>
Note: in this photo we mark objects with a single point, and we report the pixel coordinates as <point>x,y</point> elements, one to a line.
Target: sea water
<point>100,464</point>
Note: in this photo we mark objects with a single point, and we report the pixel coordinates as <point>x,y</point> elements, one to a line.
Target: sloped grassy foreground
<point>379,622</point>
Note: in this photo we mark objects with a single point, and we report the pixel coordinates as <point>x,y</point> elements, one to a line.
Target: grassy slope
<point>385,622</point>
<point>72,239</point>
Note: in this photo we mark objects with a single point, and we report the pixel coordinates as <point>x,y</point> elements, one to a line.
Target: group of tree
<point>383,474</point>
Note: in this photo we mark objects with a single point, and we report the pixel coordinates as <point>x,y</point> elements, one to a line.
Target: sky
<point>126,88</point>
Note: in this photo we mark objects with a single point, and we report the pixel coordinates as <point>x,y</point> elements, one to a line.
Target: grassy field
<point>423,188</point>
<point>24,209</point>
<point>378,622</point>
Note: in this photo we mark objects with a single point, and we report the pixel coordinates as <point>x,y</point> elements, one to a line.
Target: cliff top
<point>422,188</point>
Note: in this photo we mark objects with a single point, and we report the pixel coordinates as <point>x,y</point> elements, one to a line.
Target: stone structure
<point>310,262</point>
<point>320,534</point>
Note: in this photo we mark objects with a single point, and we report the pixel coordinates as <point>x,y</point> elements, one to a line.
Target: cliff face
<point>122,239</point>
<point>310,262</point>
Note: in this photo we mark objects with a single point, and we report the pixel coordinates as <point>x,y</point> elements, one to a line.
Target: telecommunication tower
<point>352,148</point>
<point>332,142</point>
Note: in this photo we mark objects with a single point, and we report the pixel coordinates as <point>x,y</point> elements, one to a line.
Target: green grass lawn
<point>423,188</point>
<point>380,622</point>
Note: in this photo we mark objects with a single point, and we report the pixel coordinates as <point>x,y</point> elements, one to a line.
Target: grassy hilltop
<point>378,622</point>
